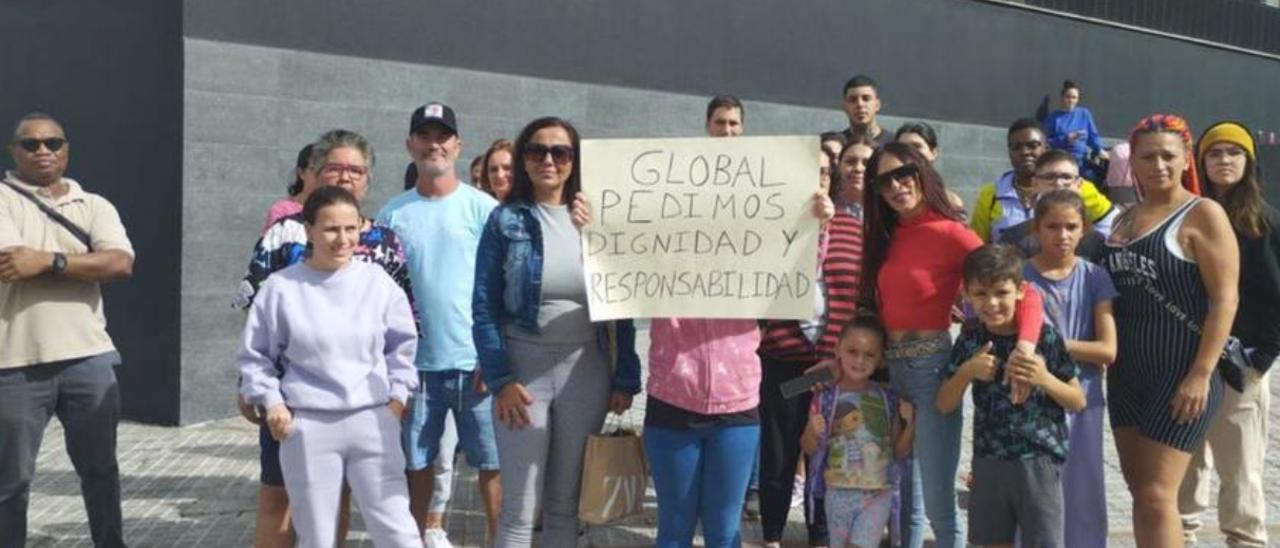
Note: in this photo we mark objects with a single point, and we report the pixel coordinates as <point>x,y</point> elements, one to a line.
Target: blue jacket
<point>1062,123</point>
<point>508,288</point>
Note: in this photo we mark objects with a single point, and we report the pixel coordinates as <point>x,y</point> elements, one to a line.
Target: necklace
<point>1025,196</point>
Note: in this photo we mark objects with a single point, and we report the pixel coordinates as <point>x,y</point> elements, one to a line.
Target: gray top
<point>563,317</point>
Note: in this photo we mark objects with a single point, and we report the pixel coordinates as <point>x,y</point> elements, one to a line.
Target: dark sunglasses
<point>560,154</point>
<point>896,175</point>
<point>54,144</point>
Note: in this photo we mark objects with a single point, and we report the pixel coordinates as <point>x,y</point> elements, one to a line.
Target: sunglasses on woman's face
<point>54,144</point>
<point>560,154</point>
<point>896,175</point>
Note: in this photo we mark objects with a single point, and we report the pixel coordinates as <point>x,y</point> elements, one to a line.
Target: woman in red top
<point>914,245</point>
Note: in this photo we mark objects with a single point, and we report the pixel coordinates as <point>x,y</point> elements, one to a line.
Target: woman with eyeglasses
<point>1175,260</point>
<point>1237,437</point>
<point>555,373</point>
<point>914,248</point>
<point>339,158</point>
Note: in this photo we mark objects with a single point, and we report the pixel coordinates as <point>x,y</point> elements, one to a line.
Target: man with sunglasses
<point>439,221</point>
<point>57,243</point>
<point>1010,200</point>
<point>1058,170</point>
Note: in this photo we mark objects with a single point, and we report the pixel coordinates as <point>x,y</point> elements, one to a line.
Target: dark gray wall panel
<point>112,73</point>
<point>957,60</point>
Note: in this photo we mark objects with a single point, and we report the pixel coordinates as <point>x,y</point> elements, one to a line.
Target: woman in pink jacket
<point>701,424</point>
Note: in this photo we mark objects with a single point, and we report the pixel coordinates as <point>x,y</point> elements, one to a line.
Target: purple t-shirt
<point>1068,306</point>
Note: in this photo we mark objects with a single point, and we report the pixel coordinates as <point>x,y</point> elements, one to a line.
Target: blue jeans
<point>440,393</point>
<point>937,454</point>
<point>700,475</point>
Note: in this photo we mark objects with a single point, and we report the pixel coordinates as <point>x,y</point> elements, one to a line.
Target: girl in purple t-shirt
<point>1077,301</point>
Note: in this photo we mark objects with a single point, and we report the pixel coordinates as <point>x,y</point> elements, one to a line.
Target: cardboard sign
<point>701,227</point>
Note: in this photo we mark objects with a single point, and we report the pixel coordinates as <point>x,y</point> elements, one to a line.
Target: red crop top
<point>920,277</point>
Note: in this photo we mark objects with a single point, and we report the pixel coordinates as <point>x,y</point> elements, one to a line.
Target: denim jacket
<point>508,288</point>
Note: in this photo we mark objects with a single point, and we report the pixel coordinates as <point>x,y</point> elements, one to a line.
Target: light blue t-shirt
<point>440,237</point>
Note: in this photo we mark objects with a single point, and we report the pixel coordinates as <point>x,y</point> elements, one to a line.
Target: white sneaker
<point>436,538</point>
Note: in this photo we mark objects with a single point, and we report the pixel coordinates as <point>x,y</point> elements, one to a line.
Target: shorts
<point>269,458</point>
<point>856,517</point>
<point>1022,497</point>
<point>438,394</point>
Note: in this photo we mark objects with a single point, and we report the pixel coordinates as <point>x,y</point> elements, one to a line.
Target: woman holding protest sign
<point>702,423</point>
<point>915,244</point>
<point>540,353</point>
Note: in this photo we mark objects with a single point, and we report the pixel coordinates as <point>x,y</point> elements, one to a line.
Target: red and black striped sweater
<point>840,259</point>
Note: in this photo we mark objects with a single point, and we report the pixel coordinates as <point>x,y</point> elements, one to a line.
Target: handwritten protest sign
<point>701,227</point>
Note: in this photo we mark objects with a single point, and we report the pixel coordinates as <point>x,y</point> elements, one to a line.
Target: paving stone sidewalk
<point>196,486</point>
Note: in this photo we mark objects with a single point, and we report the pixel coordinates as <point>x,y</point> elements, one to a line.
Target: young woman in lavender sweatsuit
<point>344,336</point>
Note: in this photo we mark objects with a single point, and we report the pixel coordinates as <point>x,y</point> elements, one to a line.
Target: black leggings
<point>781,424</point>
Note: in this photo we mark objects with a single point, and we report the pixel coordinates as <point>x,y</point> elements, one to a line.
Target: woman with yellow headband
<point>1237,436</point>
<point>1173,251</point>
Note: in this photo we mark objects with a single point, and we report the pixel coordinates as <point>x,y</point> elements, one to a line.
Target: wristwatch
<point>59,263</point>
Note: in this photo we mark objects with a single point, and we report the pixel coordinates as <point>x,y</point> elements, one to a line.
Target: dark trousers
<point>86,399</point>
<point>782,422</point>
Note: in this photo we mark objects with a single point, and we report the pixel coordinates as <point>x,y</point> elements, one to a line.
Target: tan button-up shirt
<point>51,318</point>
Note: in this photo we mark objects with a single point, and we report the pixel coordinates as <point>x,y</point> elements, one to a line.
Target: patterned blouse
<point>285,243</point>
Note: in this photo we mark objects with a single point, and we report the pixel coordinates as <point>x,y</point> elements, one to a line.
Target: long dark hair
<point>921,128</point>
<point>879,220</point>
<point>303,162</point>
<point>1243,200</point>
<point>837,175</point>
<point>485,184</point>
<point>326,196</point>
<point>521,185</point>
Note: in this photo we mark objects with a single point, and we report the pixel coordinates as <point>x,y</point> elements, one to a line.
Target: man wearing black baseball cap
<point>439,222</point>
<point>433,113</point>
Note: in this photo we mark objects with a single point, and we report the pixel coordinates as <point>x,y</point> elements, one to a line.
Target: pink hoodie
<point>705,366</point>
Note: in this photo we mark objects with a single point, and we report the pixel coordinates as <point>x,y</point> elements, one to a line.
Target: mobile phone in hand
<point>806,382</point>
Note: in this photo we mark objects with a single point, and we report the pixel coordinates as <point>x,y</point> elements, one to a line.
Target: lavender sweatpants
<point>364,447</point>
<point>1084,495</point>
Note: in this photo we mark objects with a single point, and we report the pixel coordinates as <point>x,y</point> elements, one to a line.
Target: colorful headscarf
<point>1172,123</point>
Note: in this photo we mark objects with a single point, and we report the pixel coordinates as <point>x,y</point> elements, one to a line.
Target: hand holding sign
<point>580,211</point>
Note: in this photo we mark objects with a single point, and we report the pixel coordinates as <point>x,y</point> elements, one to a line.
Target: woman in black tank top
<point>1172,254</point>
